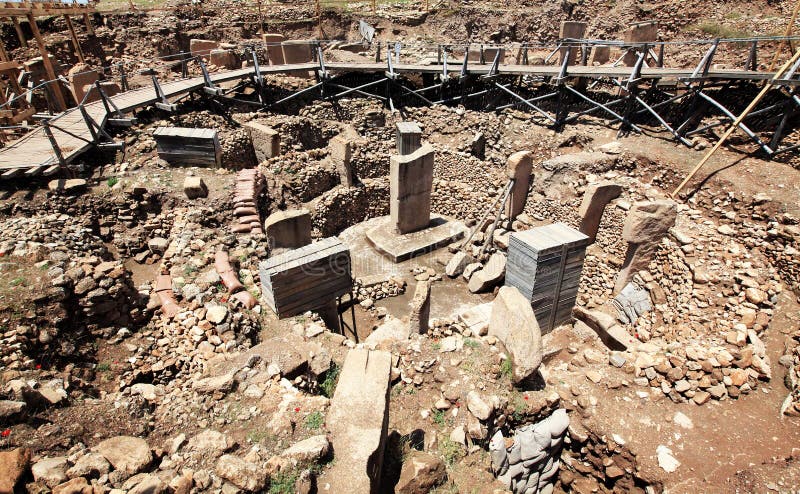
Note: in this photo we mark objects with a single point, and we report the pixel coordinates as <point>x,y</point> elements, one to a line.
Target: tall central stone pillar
<point>410,183</point>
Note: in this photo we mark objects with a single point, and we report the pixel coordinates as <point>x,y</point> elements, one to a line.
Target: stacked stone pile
<point>791,360</point>
<point>368,291</point>
<point>342,207</point>
<point>530,463</point>
<point>246,200</point>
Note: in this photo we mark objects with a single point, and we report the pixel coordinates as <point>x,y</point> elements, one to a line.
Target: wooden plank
<point>35,170</point>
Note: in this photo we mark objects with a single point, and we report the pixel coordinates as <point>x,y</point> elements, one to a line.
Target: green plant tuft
<point>328,385</point>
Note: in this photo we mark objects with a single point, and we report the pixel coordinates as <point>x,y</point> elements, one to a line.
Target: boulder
<point>128,455</point>
<point>50,471</point>
<point>478,407</point>
<point>490,276</point>
<point>457,263</point>
<point>78,485</point>
<point>67,186</point>
<point>13,466</point>
<point>195,187</point>
<point>89,465</point>
<point>308,450</point>
<point>149,484</point>
<point>514,324</point>
<point>10,410</point>
<point>421,472</point>
<point>158,245</point>
<point>215,384</point>
<point>210,443</point>
<point>241,473</point>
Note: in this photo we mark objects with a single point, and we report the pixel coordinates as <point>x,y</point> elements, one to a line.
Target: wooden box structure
<point>306,278</point>
<point>188,146</point>
<point>545,265</point>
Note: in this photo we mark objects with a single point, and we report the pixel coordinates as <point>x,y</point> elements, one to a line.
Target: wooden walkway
<point>33,155</point>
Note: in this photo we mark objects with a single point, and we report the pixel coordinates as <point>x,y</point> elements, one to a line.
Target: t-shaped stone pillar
<point>410,184</point>
<point>288,229</point>
<point>341,152</point>
<point>645,226</point>
<point>518,167</point>
<point>595,200</point>
<point>409,137</point>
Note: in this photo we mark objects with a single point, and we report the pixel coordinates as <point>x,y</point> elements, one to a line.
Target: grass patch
<point>314,421</point>
<point>470,343</point>
<point>112,181</point>
<point>438,417</point>
<point>255,437</point>
<point>451,451</point>
<point>506,368</point>
<point>189,269</point>
<point>19,281</point>
<point>283,483</point>
<point>103,367</point>
<point>328,385</point>
<point>436,346</point>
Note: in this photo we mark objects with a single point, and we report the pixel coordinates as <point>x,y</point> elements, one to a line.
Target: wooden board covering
<point>306,278</point>
<point>188,146</point>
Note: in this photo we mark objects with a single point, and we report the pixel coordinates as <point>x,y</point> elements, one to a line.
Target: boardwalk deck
<point>33,153</point>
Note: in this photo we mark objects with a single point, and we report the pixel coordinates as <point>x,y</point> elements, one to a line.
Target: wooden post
<point>20,35</point>
<point>373,6</point>
<point>736,123</point>
<point>60,104</point>
<point>3,53</point>
<point>87,19</point>
<point>788,33</point>
<point>74,36</point>
<point>260,18</point>
<point>319,19</point>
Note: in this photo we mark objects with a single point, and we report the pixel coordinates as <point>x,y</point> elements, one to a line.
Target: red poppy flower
<point>525,396</point>
<point>38,366</point>
<point>6,433</point>
<point>297,409</point>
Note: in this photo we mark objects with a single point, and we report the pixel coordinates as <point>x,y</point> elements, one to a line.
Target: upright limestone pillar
<point>518,167</point>
<point>410,184</point>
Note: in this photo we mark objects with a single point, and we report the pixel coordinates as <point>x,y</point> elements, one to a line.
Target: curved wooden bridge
<point>49,147</point>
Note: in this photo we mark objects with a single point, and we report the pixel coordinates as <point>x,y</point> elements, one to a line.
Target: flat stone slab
<point>399,247</point>
<point>358,422</point>
<point>477,318</point>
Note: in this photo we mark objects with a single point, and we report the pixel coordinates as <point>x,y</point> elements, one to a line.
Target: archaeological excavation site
<point>399,246</point>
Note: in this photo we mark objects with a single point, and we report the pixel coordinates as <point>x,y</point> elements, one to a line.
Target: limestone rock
<point>308,450</point>
<point>241,473</point>
<point>490,276</point>
<point>50,471</point>
<point>67,186</point>
<point>514,324</point>
<point>421,472</point>
<point>128,455</point>
<point>457,263</point>
<point>13,465</point>
<point>648,222</point>
<point>478,407</point>
<point>195,187</point>
<point>210,443</point>
<point>89,465</point>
